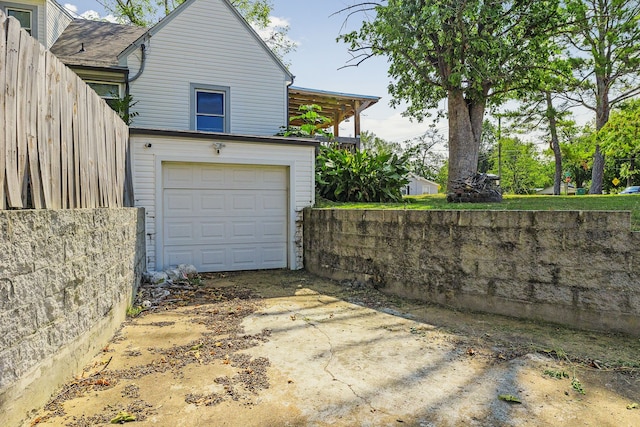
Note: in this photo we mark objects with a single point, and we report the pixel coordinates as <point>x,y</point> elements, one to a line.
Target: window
<point>24,16</point>
<point>110,92</point>
<point>209,108</point>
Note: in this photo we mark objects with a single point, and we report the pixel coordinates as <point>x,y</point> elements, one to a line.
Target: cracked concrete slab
<point>312,353</point>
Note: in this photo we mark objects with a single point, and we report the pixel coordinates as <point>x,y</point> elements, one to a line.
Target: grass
<point>629,202</point>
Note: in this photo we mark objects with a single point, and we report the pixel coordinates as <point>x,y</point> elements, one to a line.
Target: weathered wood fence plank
<point>11,114</point>
<point>3,89</point>
<point>61,145</point>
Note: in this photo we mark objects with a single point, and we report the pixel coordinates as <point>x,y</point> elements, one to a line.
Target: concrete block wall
<point>574,268</point>
<point>66,280</point>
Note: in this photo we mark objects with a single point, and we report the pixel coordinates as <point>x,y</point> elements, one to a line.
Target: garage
<point>222,202</point>
<point>222,217</point>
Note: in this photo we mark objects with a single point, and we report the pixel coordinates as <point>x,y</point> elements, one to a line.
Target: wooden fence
<point>61,145</point>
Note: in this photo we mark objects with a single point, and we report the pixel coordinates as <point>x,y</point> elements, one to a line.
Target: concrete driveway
<point>280,348</point>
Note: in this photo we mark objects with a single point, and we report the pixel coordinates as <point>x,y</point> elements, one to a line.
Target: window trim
<point>103,82</point>
<point>33,9</point>
<point>226,92</point>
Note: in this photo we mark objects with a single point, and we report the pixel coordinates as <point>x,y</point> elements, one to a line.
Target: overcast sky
<point>318,58</point>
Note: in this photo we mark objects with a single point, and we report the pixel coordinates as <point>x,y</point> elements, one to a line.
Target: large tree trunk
<point>555,144</point>
<point>465,130</point>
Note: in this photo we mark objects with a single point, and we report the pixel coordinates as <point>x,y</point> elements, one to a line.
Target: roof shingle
<point>94,43</point>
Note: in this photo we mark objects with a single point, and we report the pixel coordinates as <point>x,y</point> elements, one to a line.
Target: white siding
<point>147,169</point>
<point>207,44</point>
<point>40,31</point>
<point>57,20</point>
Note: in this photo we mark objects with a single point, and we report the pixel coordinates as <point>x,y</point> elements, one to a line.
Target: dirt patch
<point>288,348</point>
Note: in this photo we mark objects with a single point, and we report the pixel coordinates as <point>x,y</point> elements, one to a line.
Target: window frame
<point>107,98</point>
<point>193,108</point>
<point>33,10</point>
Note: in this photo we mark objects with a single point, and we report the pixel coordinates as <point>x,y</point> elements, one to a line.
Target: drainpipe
<point>286,125</point>
<point>143,50</point>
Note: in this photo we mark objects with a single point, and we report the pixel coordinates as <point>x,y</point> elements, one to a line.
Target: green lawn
<point>630,202</point>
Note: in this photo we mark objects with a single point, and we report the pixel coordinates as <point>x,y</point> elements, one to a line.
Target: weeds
<point>134,311</point>
<point>577,386</point>
<point>556,374</point>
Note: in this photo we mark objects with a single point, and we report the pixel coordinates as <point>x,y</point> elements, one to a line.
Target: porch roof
<point>336,106</point>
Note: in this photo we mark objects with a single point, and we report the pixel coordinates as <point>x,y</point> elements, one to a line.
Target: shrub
<point>345,176</point>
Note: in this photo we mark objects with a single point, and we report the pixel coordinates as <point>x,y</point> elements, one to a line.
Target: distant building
<point>418,185</point>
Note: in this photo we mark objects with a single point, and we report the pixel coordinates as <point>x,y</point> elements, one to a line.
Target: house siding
<point>40,33</point>
<point>147,171</point>
<point>57,20</point>
<point>218,50</point>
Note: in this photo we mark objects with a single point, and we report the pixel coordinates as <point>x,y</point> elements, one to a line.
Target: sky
<point>318,60</point>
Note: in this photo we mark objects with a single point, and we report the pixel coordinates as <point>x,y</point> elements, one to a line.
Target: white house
<point>220,191</point>
<point>45,20</point>
<point>418,185</point>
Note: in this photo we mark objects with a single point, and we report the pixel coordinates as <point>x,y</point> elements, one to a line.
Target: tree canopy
<point>473,53</point>
<point>604,40</point>
<point>620,139</point>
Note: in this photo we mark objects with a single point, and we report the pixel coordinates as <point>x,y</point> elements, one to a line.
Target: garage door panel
<point>211,260</point>
<point>229,258</point>
<point>224,177</point>
<point>176,231</point>
<point>225,217</point>
<point>221,230</point>
<point>178,176</point>
<point>175,256</point>
<point>210,203</point>
<point>244,229</point>
<point>180,203</point>
<point>275,229</point>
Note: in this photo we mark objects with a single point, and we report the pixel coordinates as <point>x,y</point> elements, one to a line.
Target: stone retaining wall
<point>66,280</point>
<point>579,269</point>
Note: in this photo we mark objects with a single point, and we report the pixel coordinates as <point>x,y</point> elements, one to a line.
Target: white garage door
<point>225,217</point>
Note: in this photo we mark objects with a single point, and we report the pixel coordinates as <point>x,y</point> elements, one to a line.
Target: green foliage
<point>556,374</point>
<point>474,53</point>
<point>313,123</point>
<point>122,106</point>
<point>577,154</point>
<point>577,386</point>
<point>424,159</point>
<point>134,311</point>
<point>620,140</point>
<point>345,176</point>
<point>474,46</point>
<point>605,45</point>
<point>372,143</point>
<point>522,169</point>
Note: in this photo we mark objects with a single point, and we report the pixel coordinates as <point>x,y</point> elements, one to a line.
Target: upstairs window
<point>24,16</point>
<point>210,108</point>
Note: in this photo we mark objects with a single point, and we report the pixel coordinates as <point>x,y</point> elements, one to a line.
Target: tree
<point>577,153</point>
<point>424,160</point>
<point>145,13</point>
<point>522,168</point>
<point>620,139</point>
<point>606,39</point>
<point>374,144</point>
<point>473,53</point>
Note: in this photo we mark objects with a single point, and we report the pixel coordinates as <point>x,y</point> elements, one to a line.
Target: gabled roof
<point>94,43</point>
<point>164,21</point>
